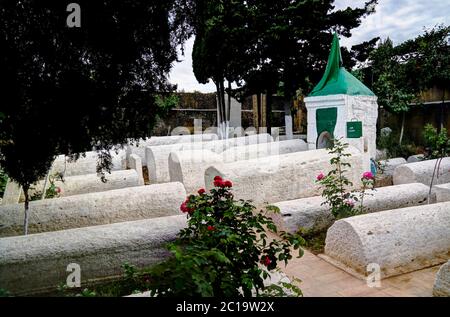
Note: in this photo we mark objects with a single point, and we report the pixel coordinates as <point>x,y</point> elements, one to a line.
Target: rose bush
<point>335,185</point>
<point>224,251</point>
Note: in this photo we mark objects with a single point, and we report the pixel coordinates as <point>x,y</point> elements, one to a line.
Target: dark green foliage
<point>218,254</point>
<point>68,90</point>
<point>3,181</point>
<point>390,143</point>
<point>437,143</point>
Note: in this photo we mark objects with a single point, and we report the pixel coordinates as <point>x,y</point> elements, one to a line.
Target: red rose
<point>201,191</point>
<point>58,190</point>
<point>228,184</point>
<point>265,260</point>
<point>217,178</point>
<point>218,183</point>
<point>211,228</point>
<point>320,176</point>
<point>184,207</point>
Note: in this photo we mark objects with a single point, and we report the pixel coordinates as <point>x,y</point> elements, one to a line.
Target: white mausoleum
<point>341,106</point>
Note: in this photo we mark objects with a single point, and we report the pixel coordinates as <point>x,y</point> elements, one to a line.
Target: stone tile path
<point>321,279</point>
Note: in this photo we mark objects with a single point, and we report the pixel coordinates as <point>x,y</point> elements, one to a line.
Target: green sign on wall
<point>326,120</point>
<point>354,129</point>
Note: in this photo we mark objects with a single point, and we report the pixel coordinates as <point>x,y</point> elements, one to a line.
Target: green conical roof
<point>336,79</point>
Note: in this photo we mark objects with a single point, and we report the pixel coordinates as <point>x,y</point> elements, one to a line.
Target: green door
<point>326,120</point>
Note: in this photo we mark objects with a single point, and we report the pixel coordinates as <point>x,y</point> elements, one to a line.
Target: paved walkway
<point>321,279</point>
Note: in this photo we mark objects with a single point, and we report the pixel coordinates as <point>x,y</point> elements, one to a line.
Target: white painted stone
<point>442,192</point>
<point>37,262</point>
<point>135,163</point>
<point>380,155</point>
<point>281,177</point>
<point>11,194</point>
<point>415,158</point>
<point>441,286</point>
<point>254,151</point>
<point>188,167</point>
<point>361,108</point>
<point>309,213</point>
<point>91,183</point>
<point>88,164</point>
<point>112,206</point>
<point>138,147</point>
<point>422,172</point>
<point>389,165</point>
<point>158,156</point>
<point>399,241</point>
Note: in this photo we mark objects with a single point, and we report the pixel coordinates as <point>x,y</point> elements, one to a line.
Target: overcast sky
<point>398,19</point>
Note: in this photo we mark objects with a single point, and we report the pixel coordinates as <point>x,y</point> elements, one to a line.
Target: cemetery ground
<point>116,238</point>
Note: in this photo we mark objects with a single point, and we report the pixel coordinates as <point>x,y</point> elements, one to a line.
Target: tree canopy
<point>70,90</point>
<point>268,46</point>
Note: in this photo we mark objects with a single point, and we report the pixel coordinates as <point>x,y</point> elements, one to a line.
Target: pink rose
<point>350,202</point>
<point>367,175</point>
<point>320,176</point>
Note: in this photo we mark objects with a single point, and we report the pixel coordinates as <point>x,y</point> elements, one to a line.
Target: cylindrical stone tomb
<point>254,151</point>
<point>281,177</point>
<point>397,241</point>
<point>441,287</point>
<point>188,167</point>
<point>39,263</point>
<point>310,213</point>
<point>92,209</point>
<point>91,183</point>
<point>422,172</point>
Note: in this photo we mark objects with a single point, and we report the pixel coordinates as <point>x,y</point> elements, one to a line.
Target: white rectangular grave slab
<point>12,193</point>
<point>87,164</point>
<point>158,156</point>
<point>112,206</point>
<point>310,213</point>
<point>281,177</point>
<point>441,287</point>
<point>138,147</point>
<point>442,192</point>
<point>422,172</point>
<point>399,241</point>
<point>91,183</point>
<point>135,163</point>
<point>38,262</point>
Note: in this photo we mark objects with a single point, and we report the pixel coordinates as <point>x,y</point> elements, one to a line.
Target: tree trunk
<point>27,201</point>
<point>269,111</point>
<point>224,119</point>
<point>402,128</point>
<point>220,109</point>
<point>442,108</point>
<point>258,108</point>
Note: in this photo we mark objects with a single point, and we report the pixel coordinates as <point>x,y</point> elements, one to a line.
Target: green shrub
<point>224,251</point>
<point>335,185</point>
<point>437,143</point>
<point>390,143</point>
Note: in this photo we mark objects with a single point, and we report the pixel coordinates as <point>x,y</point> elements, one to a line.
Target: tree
<point>269,46</point>
<point>400,73</point>
<point>69,90</point>
<point>220,43</point>
<point>427,58</point>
